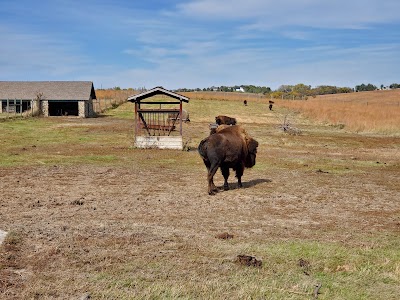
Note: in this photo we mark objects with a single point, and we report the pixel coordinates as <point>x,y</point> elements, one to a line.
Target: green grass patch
<point>345,272</point>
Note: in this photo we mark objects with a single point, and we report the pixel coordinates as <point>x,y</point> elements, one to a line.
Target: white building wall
<point>82,109</point>
<point>44,108</point>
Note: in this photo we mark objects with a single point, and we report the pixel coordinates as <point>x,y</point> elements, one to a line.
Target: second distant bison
<point>225,120</point>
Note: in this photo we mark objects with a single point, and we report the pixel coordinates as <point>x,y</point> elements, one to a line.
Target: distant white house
<point>214,89</point>
<point>241,89</point>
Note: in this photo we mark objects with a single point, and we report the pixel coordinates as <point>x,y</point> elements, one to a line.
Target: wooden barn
<point>159,117</point>
<point>48,98</point>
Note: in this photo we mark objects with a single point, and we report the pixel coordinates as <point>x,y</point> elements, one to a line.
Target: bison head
<point>225,120</point>
<point>252,145</point>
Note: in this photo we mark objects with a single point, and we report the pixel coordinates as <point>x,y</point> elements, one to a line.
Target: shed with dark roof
<point>49,98</point>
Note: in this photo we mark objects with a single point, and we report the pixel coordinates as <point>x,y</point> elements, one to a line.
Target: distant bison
<point>230,147</point>
<point>225,120</point>
<point>176,116</point>
<point>270,104</point>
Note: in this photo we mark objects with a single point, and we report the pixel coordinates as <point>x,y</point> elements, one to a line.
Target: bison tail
<point>202,148</point>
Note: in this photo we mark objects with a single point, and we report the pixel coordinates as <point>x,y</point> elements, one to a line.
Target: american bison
<point>176,116</point>
<point>230,147</point>
<point>270,104</point>
<point>225,120</point>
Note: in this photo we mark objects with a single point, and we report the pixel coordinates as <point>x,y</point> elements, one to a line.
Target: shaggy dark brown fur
<point>229,148</point>
<point>225,120</point>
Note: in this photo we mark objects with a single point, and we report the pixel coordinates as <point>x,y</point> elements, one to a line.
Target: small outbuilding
<point>48,98</point>
<point>158,118</point>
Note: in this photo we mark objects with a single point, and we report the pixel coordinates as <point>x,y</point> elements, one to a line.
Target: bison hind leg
<point>210,177</point>
<point>212,189</point>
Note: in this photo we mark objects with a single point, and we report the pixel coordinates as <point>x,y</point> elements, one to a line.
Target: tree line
<point>294,91</point>
<point>246,88</point>
<point>284,91</point>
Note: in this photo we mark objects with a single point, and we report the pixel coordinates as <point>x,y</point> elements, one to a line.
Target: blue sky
<point>201,43</point>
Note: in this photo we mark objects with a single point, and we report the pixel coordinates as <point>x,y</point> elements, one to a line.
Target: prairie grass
<point>353,116</point>
<point>119,95</point>
<point>224,96</point>
<point>88,213</point>
<point>374,112</point>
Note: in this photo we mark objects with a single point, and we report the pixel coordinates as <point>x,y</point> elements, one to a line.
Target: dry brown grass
<point>114,94</point>
<point>377,111</point>
<point>224,96</point>
<point>90,214</point>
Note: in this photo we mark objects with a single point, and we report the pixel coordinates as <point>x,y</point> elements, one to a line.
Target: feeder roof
<point>159,90</point>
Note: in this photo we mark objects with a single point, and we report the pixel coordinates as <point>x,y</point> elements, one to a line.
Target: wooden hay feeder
<point>157,116</point>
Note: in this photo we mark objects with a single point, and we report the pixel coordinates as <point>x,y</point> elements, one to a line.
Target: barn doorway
<point>63,108</point>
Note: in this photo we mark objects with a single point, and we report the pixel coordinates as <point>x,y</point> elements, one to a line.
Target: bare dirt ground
<point>72,222</point>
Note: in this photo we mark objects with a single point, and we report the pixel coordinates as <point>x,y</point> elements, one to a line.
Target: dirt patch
<point>247,260</point>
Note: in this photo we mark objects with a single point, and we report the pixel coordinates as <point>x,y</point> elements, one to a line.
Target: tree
<point>302,89</point>
<point>362,87</point>
<point>285,88</point>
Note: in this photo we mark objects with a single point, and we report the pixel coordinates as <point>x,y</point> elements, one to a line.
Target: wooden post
<point>136,120</point>
<point>15,106</point>
<point>180,119</point>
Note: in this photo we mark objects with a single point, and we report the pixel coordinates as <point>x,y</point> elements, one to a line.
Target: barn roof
<point>159,90</point>
<point>50,90</point>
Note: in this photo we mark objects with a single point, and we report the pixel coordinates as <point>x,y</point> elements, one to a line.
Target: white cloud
<point>266,14</point>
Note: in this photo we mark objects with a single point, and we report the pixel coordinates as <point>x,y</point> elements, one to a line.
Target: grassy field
<point>88,214</point>
<point>371,112</point>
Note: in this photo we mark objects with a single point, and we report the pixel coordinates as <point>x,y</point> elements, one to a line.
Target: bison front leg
<point>239,174</point>
<point>225,173</point>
